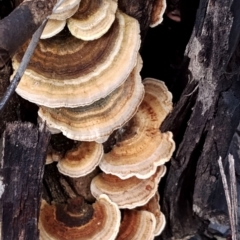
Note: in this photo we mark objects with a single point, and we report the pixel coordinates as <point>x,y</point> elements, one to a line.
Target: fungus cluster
<point>85,77</point>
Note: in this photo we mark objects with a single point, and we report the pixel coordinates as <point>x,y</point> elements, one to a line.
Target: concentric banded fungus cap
<point>67,5</point>
<point>99,120</point>
<point>137,225</point>
<point>79,221</point>
<point>65,10</point>
<point>93,19</point>
<point>64,15</point>
<point>160,104</point>
<point>139,156</point>
<point>128,193</point>
<point>67,72</point>
<point>153,206</point>
<point>52,28</point>
<point>81,160</point>
<point>130,156</point>
<point>158,10</point>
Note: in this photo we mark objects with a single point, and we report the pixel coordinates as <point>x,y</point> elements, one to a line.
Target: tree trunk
<point>205,123</point>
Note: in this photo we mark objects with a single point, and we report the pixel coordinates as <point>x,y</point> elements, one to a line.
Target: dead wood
<point>205,123</point>
<point>22,164</point>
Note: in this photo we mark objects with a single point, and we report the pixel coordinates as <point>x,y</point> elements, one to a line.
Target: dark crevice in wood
<point>28,111</point>
<point>177,121</point>
<point>52,184</point>
<point>61,143</point>
<point>6,6</point>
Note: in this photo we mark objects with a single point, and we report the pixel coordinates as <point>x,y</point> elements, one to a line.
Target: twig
<point>226,190</point>
<point>233,192</point>
<point>23,65</point>
<point>231,196</point>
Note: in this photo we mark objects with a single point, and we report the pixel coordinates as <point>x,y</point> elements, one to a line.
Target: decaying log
<point>19,26</point>
<point>205,123</point>
<point>22,163</point>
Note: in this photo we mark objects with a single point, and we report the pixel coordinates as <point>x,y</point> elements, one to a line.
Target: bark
<point>205,123</point>
<point>19,26</point>
<point>21,172</point>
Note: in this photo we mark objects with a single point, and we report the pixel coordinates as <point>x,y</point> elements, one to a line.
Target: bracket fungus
<point>81,160</point>
<point>142,147</point>
<point>161,104</point>
<point>127,193</point>
<point>52,28</point>
<point>137,225</point>
<point>65,10</point>
<point>140,156</point>
<point>68,72</point>
<point>153,206</point>
<point>158,10</point>
<point>99,120</point>
<point>93,19</point>
<point>78,220</point>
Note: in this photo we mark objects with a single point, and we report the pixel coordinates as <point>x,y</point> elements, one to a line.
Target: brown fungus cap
<point>52,28</point>
<point>158,10</point>
<point>153,206</point>
<point>79,221</point>
<point>128,193</point>
<point>137,225</point>
<point>81,160</point>
<point>65,10</point>
<point>93,19</point>
<point>142,147</point>
<point>139,156</point>
<point>97,121</point>
<point>67,72</point>
<point>161,104</point>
